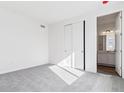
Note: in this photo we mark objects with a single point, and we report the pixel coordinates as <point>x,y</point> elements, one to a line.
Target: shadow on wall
<point>64,69</point>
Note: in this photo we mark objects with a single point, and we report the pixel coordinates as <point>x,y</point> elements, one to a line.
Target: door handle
<point>65,51</point>
<point>82,51</point>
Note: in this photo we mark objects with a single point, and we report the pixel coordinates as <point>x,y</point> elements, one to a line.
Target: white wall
<point>56,36</point>
<point>22,45</point>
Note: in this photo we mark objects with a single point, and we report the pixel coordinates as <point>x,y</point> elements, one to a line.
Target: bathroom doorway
<point>109,44</point>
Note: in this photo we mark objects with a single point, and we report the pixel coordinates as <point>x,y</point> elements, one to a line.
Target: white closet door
<point>68,44</point>
<point>78,49</point>
<point>118,45</point>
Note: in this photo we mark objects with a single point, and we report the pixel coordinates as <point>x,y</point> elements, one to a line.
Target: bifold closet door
<point>78,45</point>
<point>68,44</point>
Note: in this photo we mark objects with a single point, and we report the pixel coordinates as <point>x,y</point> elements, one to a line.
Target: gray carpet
<point>41,78</point>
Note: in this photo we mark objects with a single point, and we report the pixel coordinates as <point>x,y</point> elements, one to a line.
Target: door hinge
<point>121,51</point>
<point>121,17</point>
<point>120,34</point>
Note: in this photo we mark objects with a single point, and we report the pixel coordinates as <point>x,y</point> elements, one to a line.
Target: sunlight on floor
<point>66,61</point>
<point>68,74</point>
<point>74,71</point>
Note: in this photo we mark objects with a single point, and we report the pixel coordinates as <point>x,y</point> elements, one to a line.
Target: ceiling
<point>50,11</point>
<point>111,18</point>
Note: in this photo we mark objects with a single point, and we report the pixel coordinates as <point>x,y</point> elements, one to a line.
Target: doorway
<point>109,44</point>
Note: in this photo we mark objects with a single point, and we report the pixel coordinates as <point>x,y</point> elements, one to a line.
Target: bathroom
<point>109,44</point>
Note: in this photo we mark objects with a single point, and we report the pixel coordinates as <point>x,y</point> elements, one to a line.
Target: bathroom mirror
<point>106,41</point>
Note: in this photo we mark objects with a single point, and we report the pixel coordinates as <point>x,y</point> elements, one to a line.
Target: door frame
<point>84,23</point>
<point>120,11</point>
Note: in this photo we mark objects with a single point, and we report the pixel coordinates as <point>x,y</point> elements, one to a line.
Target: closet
<point>74,44</point>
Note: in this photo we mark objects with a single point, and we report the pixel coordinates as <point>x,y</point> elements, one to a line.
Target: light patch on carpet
<point>68,75</point>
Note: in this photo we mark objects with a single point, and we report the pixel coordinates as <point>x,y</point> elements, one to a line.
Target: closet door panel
<point>78,47</point>
<point>68,45</point>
